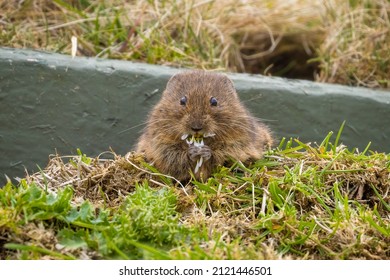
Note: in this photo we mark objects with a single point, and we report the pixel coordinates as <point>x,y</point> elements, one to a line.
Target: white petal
<point>200,162</point>
<point>196,167</point>
<point>197,144</point>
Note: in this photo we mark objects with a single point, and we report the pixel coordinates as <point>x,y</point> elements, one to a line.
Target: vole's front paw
<point>196,152</point>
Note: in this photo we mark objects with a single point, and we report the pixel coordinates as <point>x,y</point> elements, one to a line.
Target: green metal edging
<point>52,103</point>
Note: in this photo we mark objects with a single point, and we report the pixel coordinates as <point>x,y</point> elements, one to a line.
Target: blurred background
<point>335,41</point>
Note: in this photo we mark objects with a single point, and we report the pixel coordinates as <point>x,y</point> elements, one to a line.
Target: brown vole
<point>199,123</point>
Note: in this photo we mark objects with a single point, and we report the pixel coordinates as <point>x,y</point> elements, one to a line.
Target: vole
<point>198,124</point>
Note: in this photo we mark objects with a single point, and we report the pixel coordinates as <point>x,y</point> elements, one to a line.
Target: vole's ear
<point>227,84</point>
<point>174,78</point>
<point>174,83</point>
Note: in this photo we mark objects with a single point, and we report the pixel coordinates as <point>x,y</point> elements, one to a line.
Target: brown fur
<point>238,135</point>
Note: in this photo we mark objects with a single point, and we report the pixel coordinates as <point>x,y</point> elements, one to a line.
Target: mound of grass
<point>338,41</point>
<point>301,201</point>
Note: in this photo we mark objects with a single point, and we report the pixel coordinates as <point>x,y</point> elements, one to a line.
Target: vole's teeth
<point>189,142</point>
<point>201,143</point>
<point>184,136</point>
<point>209,134</point>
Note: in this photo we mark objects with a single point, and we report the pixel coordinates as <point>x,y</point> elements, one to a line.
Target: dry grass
<point>331,41</point>
<point>356,50</point>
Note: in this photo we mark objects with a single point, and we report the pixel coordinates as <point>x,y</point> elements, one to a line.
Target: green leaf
<point>72,239</point>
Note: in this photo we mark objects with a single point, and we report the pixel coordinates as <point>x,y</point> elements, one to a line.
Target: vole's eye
<point>213,101</point>
<point>183,101</point>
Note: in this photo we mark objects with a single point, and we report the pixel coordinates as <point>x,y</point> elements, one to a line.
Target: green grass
<point>299,202</point>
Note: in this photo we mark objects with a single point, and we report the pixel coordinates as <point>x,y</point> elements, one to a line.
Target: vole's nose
<point>196,127</point>
<point>196,124</point>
